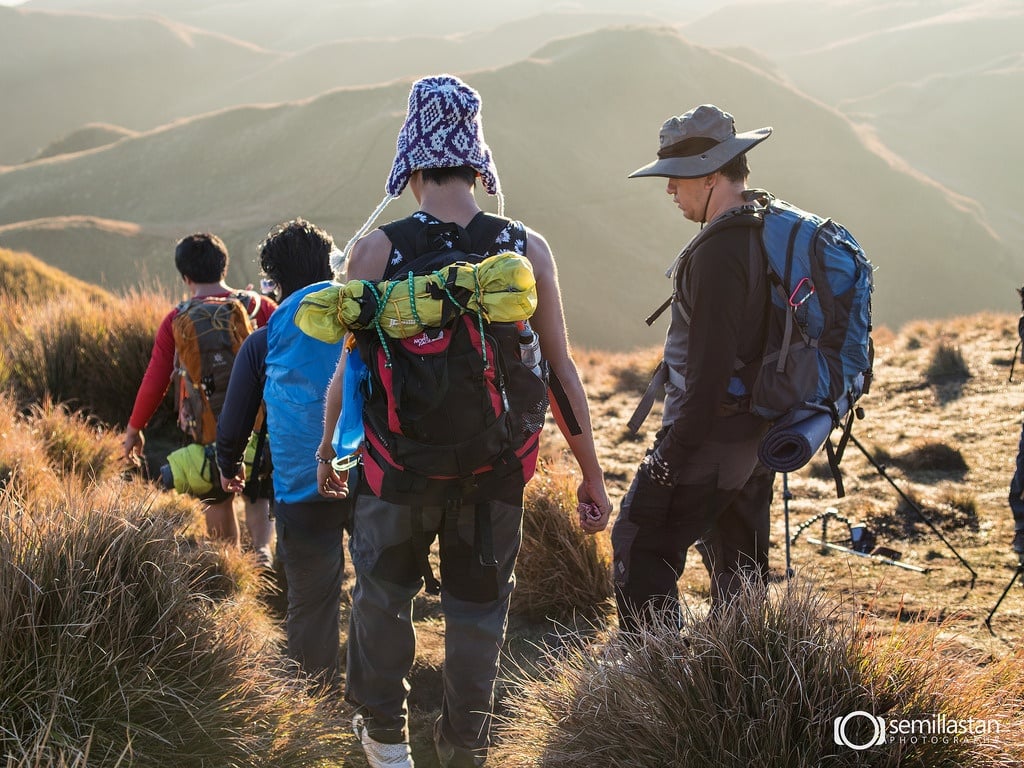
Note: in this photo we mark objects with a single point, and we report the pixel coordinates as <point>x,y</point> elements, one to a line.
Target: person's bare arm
<point>549,322</point>
<point>366,262</point>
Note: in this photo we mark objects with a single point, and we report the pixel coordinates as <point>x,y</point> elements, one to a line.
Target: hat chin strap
<point>707,202</point>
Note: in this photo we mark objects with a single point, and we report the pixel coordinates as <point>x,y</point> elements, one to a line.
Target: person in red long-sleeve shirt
<point>202,261</point>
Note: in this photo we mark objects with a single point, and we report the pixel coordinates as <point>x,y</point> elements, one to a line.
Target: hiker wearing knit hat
<point>442,129</point>
<point>478,516</point>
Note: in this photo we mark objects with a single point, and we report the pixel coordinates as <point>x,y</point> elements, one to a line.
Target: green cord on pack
<point>381,302</point>
<point>411,281</point>
<point>444,287</point>
<point>478,293</point>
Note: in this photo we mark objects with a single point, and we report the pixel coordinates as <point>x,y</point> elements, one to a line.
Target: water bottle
<point>529,348</point>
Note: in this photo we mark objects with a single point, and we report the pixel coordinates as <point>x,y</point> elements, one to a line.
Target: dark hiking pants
<point>309,547</point>
<point>722,500</point>
<point>1017,487</point>
<point>386,555</point>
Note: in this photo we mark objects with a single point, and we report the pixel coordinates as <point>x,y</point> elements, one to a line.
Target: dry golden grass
<point>114,643</point>
<point>25,470</point>
<point>25,278</point>
<point>89,355</point>
<point>762,683</point>
<point>949,445</point>
<point>562,573</point>
<point>75,442</point>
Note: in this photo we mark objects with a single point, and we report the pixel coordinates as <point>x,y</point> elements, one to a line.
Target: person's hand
<point>234,484</point>
<point>132,445</point>
<point>656,469</point>
<point>330,483</point>
<point>594,507</point>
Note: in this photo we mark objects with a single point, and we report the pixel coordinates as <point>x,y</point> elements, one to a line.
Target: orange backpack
<point>208,330</point>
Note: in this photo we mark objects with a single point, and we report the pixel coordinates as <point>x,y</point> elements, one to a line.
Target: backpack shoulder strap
<point>484,230</point>
<point>413,237</point>
<point>402,234</point>
<point>252,302</point>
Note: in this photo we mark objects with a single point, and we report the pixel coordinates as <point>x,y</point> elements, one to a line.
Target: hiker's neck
<point>727,195</point>
<point>454,201</point>
<point>207,289</point>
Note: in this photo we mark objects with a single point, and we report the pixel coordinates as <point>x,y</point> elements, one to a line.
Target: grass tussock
<point>25,470</point>
<point>74,442</point>
<point>90,355</point>
<point>110,655</point>
<point>947,364</point>
<point>759,684</point>
<point>932,456</point>
<point>561,572</point>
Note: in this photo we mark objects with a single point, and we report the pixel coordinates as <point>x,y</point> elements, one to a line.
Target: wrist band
<point>320,459</point>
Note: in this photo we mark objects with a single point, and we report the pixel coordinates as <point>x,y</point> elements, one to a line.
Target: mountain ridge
<point>563,156</point>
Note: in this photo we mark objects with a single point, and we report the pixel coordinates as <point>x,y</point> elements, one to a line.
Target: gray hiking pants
<point>722,500</point>
<point>387,557</point>
<point>309,547</point>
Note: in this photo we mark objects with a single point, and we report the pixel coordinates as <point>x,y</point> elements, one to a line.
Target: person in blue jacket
<point>288,372</point>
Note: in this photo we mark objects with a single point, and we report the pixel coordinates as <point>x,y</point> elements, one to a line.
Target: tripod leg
<point>785,511</point>
<point>913,505</point>
<point>988,621</point>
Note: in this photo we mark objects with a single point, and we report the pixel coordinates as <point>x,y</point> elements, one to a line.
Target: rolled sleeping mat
<point>793,440</point>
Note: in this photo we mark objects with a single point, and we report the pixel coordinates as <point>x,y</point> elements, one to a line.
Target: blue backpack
<point>818,351</point>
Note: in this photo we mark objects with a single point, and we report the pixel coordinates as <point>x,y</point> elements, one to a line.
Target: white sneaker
<point>380,755</point>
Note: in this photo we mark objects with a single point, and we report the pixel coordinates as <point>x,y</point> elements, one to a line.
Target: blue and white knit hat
<point>442,129</point>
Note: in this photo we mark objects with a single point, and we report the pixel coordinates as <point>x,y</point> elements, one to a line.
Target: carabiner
<point>795,302</point>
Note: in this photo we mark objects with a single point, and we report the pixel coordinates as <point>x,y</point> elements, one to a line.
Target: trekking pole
<point>988,621</point>
<point>881,470</point>
<point>1013,362</point>
<point>786,496</point>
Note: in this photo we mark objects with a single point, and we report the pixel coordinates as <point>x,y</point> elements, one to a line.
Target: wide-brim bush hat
<point>699,143</point>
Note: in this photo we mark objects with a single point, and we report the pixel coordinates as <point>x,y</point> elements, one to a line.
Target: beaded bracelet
<point>320,459</point>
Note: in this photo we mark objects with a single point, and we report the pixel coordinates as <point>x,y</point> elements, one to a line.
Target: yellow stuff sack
<point>502,288</point>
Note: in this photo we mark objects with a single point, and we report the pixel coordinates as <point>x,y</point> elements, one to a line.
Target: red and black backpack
<point>451,414</point>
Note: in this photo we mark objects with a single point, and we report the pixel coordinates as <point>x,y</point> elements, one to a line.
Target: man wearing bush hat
<point>701,480</point>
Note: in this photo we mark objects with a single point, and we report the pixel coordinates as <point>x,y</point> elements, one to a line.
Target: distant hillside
<point>563,154</point>
<point>370,61</point>
<point>786,28</point>
<point>87,137</point>
<point>74,69</point>
<point>960,129</point>
<point>23,277</point>
<point>951,43</point>
<point>278,25</point>
<point>113,254</point>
